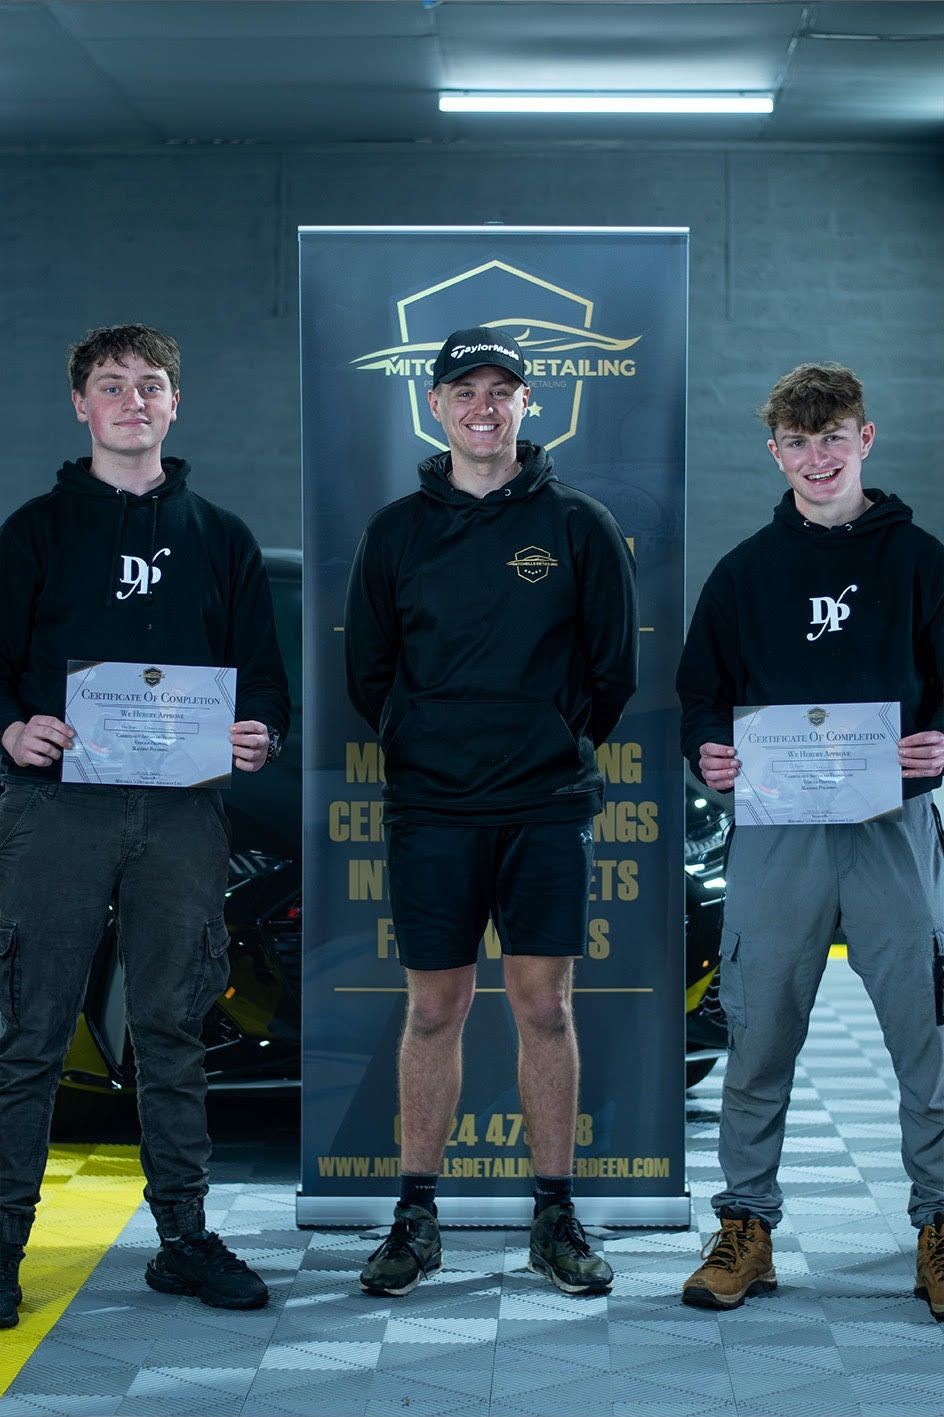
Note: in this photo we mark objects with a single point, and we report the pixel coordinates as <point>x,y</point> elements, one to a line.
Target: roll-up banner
<point>601,314</point>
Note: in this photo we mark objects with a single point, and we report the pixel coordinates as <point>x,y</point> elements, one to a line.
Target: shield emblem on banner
<point>553,326</point>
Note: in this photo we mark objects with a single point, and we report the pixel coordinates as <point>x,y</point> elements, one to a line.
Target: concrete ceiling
<point>156,73</point>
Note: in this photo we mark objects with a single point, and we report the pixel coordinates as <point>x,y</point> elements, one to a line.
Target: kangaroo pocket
<point>486,748</point>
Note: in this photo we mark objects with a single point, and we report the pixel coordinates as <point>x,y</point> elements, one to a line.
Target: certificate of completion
<point>149,725</point>
<point>816,764</point>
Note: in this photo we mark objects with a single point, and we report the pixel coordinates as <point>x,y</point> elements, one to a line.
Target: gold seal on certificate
<point>149,725</point>
<point>817,764</point>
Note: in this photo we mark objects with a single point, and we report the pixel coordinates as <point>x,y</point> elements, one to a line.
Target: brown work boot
<point>737,1264</point>
<point>929,1281</point>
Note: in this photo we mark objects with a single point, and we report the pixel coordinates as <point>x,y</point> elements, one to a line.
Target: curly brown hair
<point>813,397</point>
<point>114,342</point>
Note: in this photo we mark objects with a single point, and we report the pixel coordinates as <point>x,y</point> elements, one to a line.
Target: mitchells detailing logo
<point>152,677</point>
<point>532,563</point>
<point>561,347</point>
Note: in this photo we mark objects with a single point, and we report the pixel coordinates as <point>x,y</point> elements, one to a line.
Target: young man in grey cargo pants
<point>839,600</point>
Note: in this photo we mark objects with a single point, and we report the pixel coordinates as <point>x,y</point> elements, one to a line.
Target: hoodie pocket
<point>481,748</point>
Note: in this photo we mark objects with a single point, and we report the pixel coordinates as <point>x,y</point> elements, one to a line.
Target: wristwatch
<point>275,744</point>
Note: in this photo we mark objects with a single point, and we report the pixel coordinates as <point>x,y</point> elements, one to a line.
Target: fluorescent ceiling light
<point>606,103</point>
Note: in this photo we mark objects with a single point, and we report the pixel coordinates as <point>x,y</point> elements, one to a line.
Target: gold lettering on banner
<point>363,762</point>
<point>599,938</point>
<point>386,940</point>
<point>614,880</point>
<point>497,1129</point>
<point>620,762</point>
<point>487,1168</point>
<point>358,821</point>
<point>627,821</point>
<point>367,879</point>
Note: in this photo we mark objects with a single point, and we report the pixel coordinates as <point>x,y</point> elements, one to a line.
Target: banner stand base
<point>498,1212</point>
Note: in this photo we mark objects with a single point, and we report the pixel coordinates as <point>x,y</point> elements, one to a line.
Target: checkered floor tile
<point>843,1337</point>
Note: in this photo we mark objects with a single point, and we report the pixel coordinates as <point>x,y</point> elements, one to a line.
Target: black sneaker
<point>411,1252</point>
<point>559,1249</point>
<point>11,1295</point>
<point>200,1264</point>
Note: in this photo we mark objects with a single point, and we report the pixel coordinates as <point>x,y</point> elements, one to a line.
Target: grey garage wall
<point>795,255</point>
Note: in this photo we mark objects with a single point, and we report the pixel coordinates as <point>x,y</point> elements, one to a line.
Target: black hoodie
<point>802,612</point>
<point>88,571</point>
<point>492,644</point>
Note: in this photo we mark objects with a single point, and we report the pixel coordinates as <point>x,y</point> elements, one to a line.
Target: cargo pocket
<point>215,965</point>
<point>731,982</point>
<point>9,1003</point>
<point>938,825</point>
<point>939,976</point>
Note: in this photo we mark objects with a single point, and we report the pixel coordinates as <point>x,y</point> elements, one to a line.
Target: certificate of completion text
<point>149,725</point>
<point>816,764</point>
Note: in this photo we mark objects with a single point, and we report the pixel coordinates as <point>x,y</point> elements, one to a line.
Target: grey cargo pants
<point>788,889</point>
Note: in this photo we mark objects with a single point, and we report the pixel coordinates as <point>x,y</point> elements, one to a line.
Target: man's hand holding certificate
<point>817,764</point>
<point>149,725</point>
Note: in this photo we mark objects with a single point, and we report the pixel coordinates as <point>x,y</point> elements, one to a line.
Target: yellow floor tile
<point>90,1192</point>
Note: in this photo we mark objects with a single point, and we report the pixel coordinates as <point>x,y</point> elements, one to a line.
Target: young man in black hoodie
<point>122,562</point>
<point>491,644</point>
<point>840,599</point>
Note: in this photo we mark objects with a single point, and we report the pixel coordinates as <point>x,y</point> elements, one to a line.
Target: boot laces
<point>210,1247</point>
<point>727,1247</point>
<point>935,1251</point>
<point>400,1242</point>
<point>568,1231</point>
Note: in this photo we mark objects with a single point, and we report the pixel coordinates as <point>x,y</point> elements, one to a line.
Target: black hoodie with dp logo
<point>491,643</point>
<point>91,572</point>
<point>802,613</point>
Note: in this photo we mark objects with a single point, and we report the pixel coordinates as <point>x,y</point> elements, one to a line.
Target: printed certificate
<point>149,725</point>
<point>815,764</point>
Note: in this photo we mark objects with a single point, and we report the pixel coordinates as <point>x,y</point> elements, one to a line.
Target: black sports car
<point>253,1031</point>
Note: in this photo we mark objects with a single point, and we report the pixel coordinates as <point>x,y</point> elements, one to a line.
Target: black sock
<point>419,1188</point>
<point>552,1190</point>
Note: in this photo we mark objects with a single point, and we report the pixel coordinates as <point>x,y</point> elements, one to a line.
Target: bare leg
<point>539,991</point>
<point>430,1066</point>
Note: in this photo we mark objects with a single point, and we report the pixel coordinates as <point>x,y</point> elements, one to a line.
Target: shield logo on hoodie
<point>532,563</point>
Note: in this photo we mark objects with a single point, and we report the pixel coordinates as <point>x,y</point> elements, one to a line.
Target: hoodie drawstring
<point>113,570</point>
<point>155,502</point>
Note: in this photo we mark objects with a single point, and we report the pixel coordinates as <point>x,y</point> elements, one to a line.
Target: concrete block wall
<point>795,254</point>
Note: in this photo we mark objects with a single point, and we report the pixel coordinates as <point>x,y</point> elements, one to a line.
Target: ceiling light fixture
<point>606,103</point>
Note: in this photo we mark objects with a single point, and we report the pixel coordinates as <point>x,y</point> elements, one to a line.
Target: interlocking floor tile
<point>842,1337</point>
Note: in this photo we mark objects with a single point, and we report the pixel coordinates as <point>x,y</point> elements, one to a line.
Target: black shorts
<point>445,882</point>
